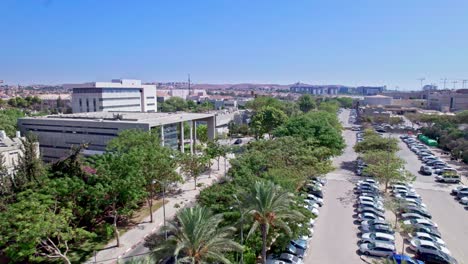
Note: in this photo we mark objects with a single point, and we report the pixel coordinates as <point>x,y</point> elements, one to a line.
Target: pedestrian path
<point>134,237</point>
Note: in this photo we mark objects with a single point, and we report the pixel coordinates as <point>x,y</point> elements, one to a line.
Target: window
<point>94,103</point>
<point>87,105</point>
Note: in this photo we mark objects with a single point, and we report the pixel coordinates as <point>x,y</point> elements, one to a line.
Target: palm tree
<point>269,206</point>
<point>195,237</point>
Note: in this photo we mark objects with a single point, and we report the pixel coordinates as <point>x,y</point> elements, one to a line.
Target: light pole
<point>239,205</point>
<point>163,183</point>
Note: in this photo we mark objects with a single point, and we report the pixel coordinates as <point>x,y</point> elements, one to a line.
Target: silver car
<point>377,249</point>
<point>376,237</point>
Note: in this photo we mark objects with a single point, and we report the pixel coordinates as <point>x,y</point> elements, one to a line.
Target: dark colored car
<point>404,259</point>
<point>238,141</point>
<point>431,256</point>
<point>425,170</point>
<point>296,251</point>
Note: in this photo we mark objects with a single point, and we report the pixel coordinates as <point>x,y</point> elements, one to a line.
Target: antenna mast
<point>190,92</point>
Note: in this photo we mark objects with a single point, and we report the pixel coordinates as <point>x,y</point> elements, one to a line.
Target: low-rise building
<point>448,100</point>
<point>314,89</point>
<point>10,150</point>
<point>378,100</point>
<point>57,134</point>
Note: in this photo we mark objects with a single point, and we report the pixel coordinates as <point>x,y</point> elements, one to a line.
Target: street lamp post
<point>163,183</point>
<point>241,227</point>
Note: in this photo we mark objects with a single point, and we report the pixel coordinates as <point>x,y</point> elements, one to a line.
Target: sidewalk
<point>135,236</point>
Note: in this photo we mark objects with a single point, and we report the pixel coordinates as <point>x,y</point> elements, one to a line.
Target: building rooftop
<point>152,119</point>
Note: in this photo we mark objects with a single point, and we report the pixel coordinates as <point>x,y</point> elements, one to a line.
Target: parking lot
<point>336,236</point>
<point>451,216</point>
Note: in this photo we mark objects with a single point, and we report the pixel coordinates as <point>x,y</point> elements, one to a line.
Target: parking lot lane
<point>335,238</point>
<point>452,220</point>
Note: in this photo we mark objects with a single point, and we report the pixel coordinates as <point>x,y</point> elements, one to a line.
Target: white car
<point>459,189</point>
<point>420,222</point>
<point>427,237</point>
<point>312,203</point>
<point>373,222</point>
<point>377,237</point>
<point>315,198</point>
<point>377,205</point>
<point>372,181</point>
<point>464,200</point>
<point>369,216</point>
<point>369,199</point>
<point>408,216</point>
<point>410,201</point>
<point>377,249</point>
<point>415,244</point>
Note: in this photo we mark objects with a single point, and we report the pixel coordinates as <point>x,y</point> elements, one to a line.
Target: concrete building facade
<point>378,100</point>
<point>448,100</point>
<point>57,134</point>
<point>10,150</point>
<point>118,95</point>
<point>314,89</point>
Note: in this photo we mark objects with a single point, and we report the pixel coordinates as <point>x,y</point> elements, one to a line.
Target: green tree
<point>269,207</point>
<point>174,104</point>
<point>386,167</point>
<point>197,237</point>
<point>374,142</point>
<point>9,119</point>
<point>123,187</point>
<point>322,127</point>
<point>266,120</point>
<point>263,101</point>
<point>30,168</point>
<point>331,106</point>
<point>202,133</point>
<point>35,228</point>
<point>192,165</point>
<point>214,150</point>
<point>306,103</point>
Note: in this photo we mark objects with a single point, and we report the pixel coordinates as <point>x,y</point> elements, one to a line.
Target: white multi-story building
<point>118,95</point>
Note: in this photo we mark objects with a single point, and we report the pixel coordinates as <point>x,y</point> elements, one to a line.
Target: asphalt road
<point>335,237</point>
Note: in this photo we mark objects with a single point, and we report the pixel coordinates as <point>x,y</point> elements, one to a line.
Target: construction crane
<point>421,80</point>
<point>463,83</point>
<point>445,82</point>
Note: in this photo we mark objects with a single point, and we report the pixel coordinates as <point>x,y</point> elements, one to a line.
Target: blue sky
<point>349,42</point>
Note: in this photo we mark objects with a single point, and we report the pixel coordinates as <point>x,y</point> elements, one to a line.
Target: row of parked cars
<point>432,164</point>
<point>425,239</point>
<point>461,194</point>
<point>378,236</point>
<point>296,250</point>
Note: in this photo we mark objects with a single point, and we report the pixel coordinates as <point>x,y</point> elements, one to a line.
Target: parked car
<point>409,216</point>
<point>459,188</point>
<point>300,243</point>
<point>448,178</point>
<point>464,200</point>
<point>376,237</point>
<point>380,228</point>
<point>373,223</point>
<point>404,259</point>
<point>425,170</point>
<point>429,230</point>
<point>377,249</point>
<point>371,211</point>
<point>416,210</point>
<point>420,222</point>
<point>462,194</point>
<point>416,244</point>
<point>427,237</point>
<point>445,170</point>
<point>296,251</point>
<point>290,258</point>
<point>430,256</point>
<point>318,200</point>
<point>369,216</point>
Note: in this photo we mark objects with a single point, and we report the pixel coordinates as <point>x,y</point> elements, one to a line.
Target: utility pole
<point>463,83</point>
<point>421,80</point>
<point>190,93</point>
<point>445,82</point>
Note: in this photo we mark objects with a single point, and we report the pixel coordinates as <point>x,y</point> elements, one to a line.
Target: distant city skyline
<point>352,43</point>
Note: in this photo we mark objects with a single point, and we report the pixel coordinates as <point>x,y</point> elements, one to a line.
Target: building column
<point>194,133</point>
<point>182,145</point>
<point>191,137</point>
<point>162,135</point>
<point>211,127</point>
